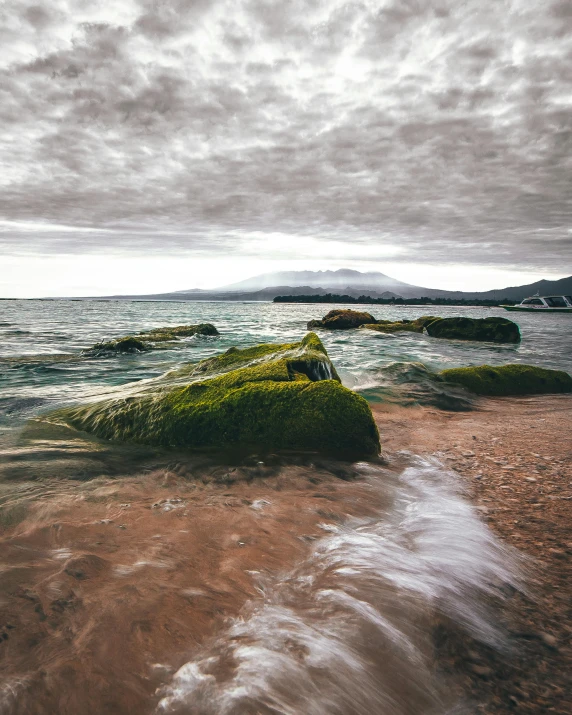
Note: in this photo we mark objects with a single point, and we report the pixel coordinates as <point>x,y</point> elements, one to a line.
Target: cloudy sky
<point>167,144</point>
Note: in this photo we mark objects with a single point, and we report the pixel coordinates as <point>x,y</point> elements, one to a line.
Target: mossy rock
<point>342,320</point>
<point>509,380</point>
<point>494,330</point>
<point>128,344</point>
<point>410,326</point>
<point>266,398</point>
<point>149,339</point>
<point>161,335</point>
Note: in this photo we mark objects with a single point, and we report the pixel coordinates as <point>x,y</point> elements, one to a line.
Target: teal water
<point>41,365</point>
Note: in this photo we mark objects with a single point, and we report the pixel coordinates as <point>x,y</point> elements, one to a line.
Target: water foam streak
<point>349,632</point>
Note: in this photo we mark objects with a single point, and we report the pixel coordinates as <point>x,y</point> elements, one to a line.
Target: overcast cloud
<point>434,130</point>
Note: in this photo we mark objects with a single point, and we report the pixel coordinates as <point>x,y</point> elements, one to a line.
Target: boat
<point>543,304</point>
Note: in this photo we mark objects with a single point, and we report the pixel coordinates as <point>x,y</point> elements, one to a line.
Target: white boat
<point>544,304</point>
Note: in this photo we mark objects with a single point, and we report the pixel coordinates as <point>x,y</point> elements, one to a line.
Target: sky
<point>157,145</point>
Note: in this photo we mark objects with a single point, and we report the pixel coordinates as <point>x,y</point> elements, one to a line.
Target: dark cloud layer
<point>437,125</point>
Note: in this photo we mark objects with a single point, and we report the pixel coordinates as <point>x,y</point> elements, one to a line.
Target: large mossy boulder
<point>266,398</point>
<point>494,330</point>
<point>509,380</point>
<point>150,339</point>
<point>396,326</point>
<point>342,320</point>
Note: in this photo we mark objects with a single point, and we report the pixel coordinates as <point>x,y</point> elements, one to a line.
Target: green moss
<point>128,344</point>
<point>149,339</point>
<point>411,326</point>
<point>161,335</point>
<point>343,319</point>
<point>269,397</point>
<point>509,380</point>
<point>496,330</point>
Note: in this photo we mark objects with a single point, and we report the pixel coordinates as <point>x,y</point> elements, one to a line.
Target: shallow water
<point>119,592</point>
<point>349,631</point>
<point>41,366</point>
<point>339,622</point>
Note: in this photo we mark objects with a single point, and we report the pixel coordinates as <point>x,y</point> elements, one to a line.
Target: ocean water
<point>349,629</point>
<point>41,365</point>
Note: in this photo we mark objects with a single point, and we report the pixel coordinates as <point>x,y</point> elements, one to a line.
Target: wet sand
<point>109,585</point>
<point>515,455</point>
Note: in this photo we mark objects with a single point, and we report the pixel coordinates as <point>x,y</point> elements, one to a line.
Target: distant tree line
<point>367,299</point>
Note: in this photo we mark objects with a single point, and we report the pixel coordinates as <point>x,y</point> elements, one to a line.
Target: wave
<point>412,383</point>
<point>349,632</point>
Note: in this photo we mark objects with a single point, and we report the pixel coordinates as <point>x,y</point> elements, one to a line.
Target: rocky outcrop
<point>128,344</point>
<point>265,398</point>
<point>509,380</point>
<point>151,339</point>
<point>494,330</point>
<point>410,326</point>
<point>342,320</point>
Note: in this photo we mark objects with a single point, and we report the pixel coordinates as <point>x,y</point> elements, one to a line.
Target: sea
<point>41,342</point>
<point>105,573</point>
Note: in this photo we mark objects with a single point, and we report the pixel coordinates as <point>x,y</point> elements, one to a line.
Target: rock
<point>85,566</point>
<point>482,670</point>
<point>268,397</point>
<point>410,326</point>
<point>549,640</point>
<point>412,383</point>
<point>509,380</point>
<point>148,340</point>
<point>496,330</point>
<point>128,344</point>
<point>342,320</point>
<point>162,335</point>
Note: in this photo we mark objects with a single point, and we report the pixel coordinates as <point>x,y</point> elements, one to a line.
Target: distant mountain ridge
<point>343,278</point>
<point>345,281</point>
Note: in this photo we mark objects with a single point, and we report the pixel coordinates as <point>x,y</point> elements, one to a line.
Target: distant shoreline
<point>440,302</point>
<point>368,300</point>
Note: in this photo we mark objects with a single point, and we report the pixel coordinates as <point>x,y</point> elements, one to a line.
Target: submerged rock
<point>128,344</point>
<point>395,326</point>
<point>509,380</point>
<point>269,397</point>
<point>342,320</point>
<point>161,335</point>
<point>495,330</point>
<point>148,340</point>
<point>412,383</point>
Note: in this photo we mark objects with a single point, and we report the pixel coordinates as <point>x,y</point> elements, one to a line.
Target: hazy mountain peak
<point>339,279</point>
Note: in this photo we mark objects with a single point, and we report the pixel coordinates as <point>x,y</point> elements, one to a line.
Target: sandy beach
<point>109,585</point>
<point>515,456</point>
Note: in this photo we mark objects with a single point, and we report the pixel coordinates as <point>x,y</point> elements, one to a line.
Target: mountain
<point>327,280</point>
<point>563,286</point>
<point>376,285</point>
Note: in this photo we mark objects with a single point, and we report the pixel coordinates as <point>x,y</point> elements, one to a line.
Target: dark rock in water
<point>342,320</point>
<point>509,380</point>
<point>268,397</point>
<point>412,383</point>
<point>161,335</point>
<point>495,330</point>
<point>128,344</point>
<point>396,326</point>
<point>150,339</point>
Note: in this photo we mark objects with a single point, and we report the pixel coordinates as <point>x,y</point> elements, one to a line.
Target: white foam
<point>349,631</point>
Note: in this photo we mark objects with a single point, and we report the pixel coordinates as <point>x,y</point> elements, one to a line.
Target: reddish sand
<point>107,586</point>
<point>516,457</point>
